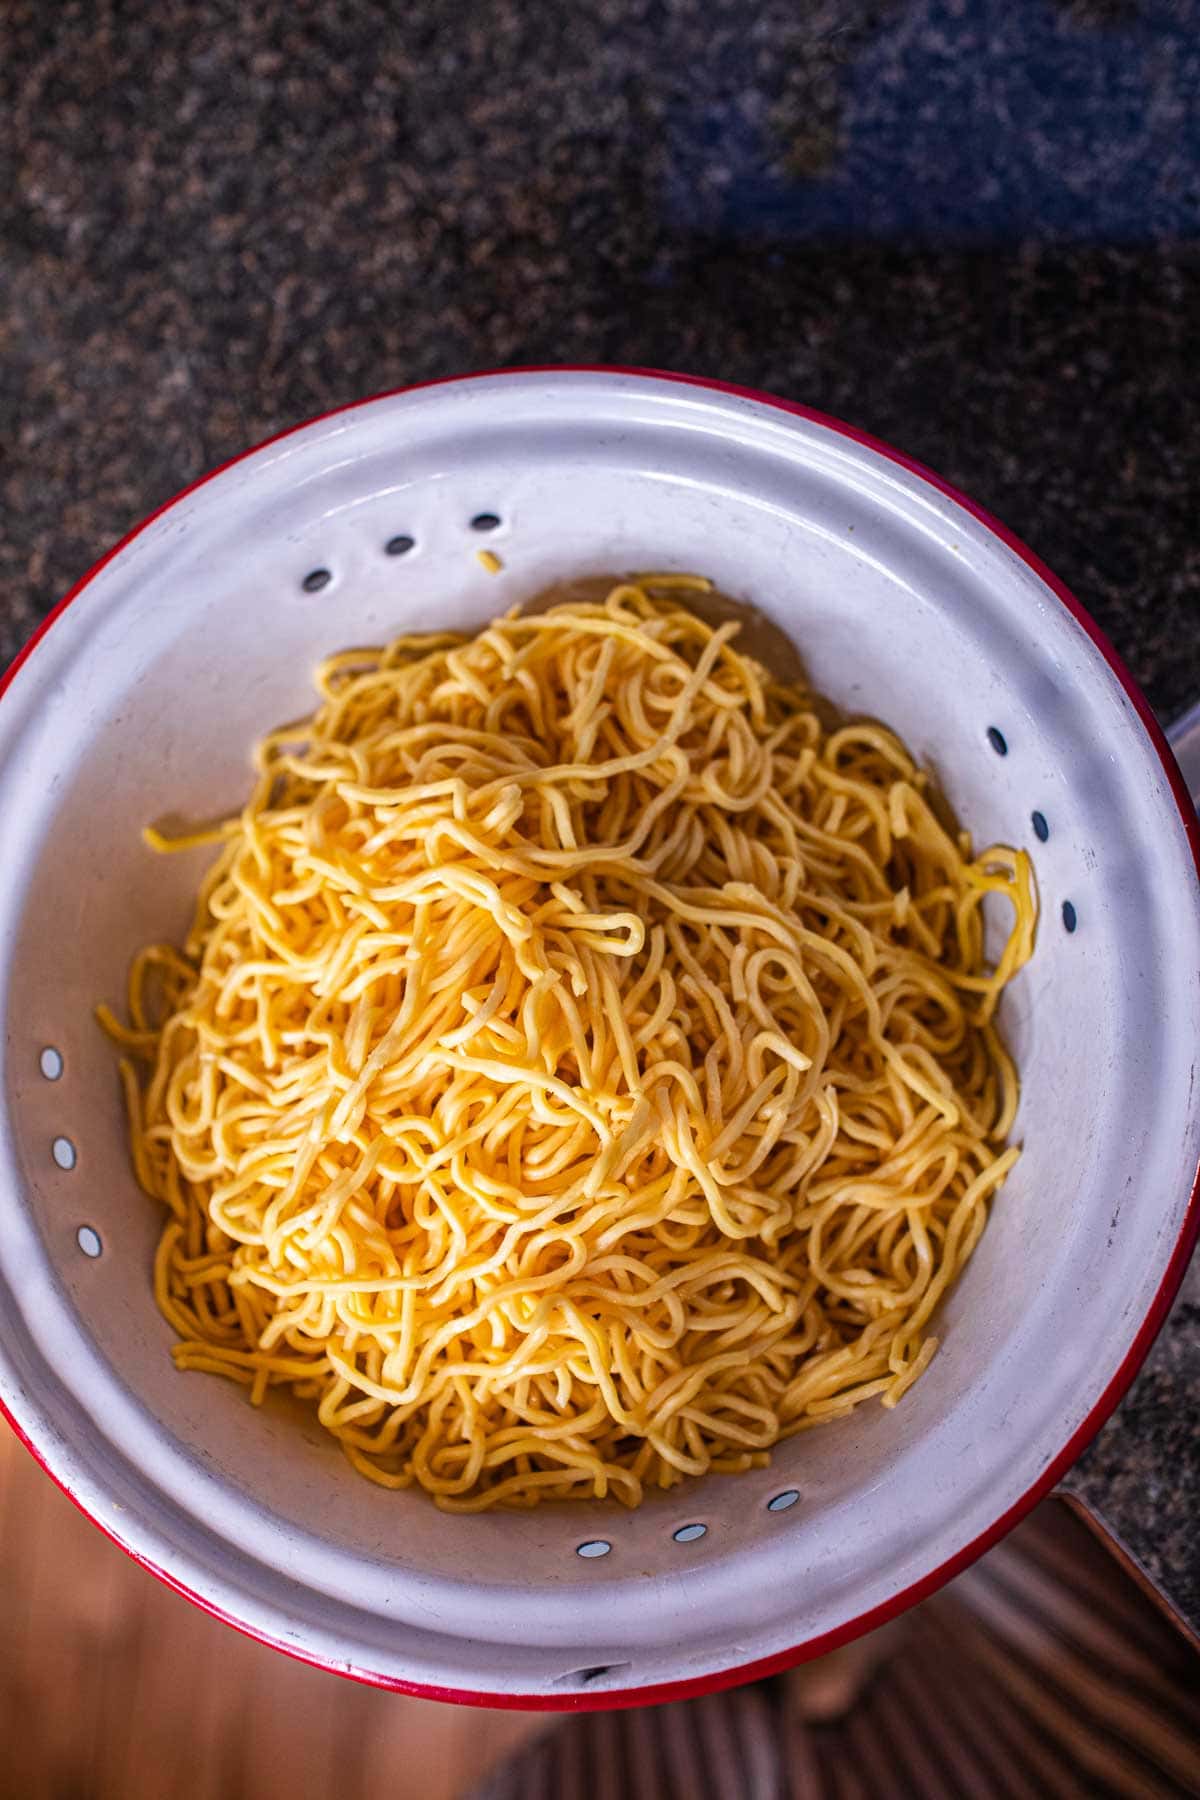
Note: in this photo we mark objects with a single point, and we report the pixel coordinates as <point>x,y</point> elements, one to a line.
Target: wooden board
<point>113,1688</point>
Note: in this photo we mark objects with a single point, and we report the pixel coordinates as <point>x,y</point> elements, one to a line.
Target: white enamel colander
<point>199,632</point>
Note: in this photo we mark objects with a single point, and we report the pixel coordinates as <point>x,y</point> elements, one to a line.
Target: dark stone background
<point>969,226</point>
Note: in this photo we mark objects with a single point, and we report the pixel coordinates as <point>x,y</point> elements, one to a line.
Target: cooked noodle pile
<point>580,1073</point>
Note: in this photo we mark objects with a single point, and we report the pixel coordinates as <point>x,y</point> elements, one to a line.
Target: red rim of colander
<point>1143,1337</point>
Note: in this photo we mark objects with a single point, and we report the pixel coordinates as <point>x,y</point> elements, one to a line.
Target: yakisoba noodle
<point>580,1073</point>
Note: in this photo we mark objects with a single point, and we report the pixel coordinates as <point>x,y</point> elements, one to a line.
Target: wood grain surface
<point>113,1688</point>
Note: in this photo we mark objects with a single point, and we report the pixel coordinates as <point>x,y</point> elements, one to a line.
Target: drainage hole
<point>485,522</point>
<point>50,1062</point>
<point>399,546</point>
<point>687,1534</point>
<point>581,1677</point>
<point>1069,916</point>
<point>1041,830</point>
<point>88,1240</point>
<point>63,1152</point>
<point>593,1547</point>
<point>781,1502</point>
<point>997,740</point>
<point>315,580</point>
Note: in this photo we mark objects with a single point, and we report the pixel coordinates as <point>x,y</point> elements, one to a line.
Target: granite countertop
<point>969,226</point>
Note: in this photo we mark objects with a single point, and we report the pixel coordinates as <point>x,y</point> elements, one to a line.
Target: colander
<point>142,697</point>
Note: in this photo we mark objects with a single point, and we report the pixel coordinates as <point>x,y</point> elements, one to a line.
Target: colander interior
<point>145,698</point>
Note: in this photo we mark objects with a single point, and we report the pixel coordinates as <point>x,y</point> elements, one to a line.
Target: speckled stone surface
<point>970,226</point>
